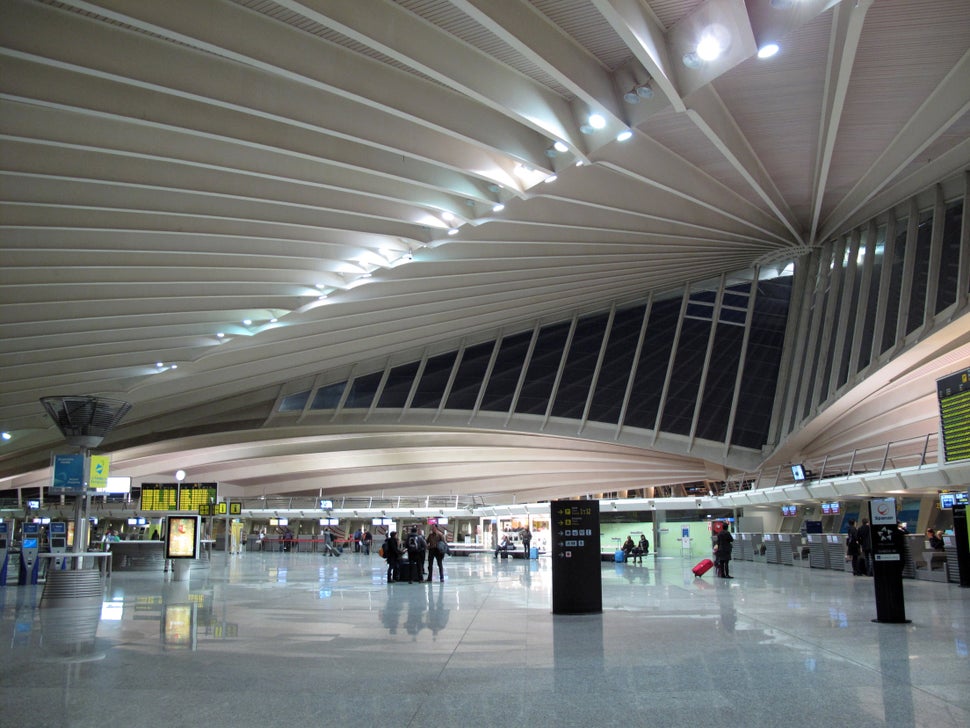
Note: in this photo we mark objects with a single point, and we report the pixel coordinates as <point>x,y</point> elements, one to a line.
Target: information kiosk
<point>4,552</point>
<point>29,548</point>
<point>58,544</point>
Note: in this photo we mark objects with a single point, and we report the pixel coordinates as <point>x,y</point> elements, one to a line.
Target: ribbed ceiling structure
<point>204,198</point>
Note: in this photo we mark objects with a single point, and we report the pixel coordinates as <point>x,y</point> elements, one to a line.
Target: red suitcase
<point>703,567</point>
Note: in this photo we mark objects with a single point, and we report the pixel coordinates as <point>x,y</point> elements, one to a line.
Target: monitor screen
<point>826,509</point>
<point>326,505</point>
<point>58,527</point>
<point>58,542</point>
<point>30,543</point>
<point>3,543</point>
<point>117,484</point>
<point>141,521</point>
<point>34,504</point>
<point>834,507</point>
<point>788,511</point>
<point>947,500</point>
<point>798,471</point>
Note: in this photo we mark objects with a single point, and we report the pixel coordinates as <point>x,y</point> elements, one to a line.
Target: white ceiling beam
<point>847,24</point>
<point>944,106</point>
<point>393,31</point>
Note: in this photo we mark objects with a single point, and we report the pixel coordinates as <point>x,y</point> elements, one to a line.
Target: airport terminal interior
<point>275,271</point>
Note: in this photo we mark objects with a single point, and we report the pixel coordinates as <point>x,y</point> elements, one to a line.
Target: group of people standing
<point>418,549</point>
<point>858,547</point>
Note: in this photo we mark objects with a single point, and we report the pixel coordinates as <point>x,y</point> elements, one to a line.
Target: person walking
<point>853,551</point>
<point>392,554</point>
<point>367,540</point>
<point>526,537</point>
<point>722,556</point>
<point>436,553</point>
<point>416,548</point>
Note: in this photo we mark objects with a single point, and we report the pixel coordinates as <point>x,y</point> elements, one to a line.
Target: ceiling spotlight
<point>551,178</point>
<point>768,50</point>
<point>624,135</point>
<point>175,366</point>
<point>692,60</point>
<point>586,129</point>
<point>453,231</point>
<point>220,335</point>
<point>159,364</point>
<point>498,207</point>
<point>247,322</point>
<point>447,216</point>
<point>597,121</point>
<point>631,96</point>
<point>273,320</point>
<point>644,91</point>
<point>6,435</point>
<point>560,147</point>
<point>709,48</point>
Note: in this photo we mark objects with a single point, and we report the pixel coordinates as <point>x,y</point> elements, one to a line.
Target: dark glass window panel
<point>814,357</point>
<point>836,295</point>
<point>434,380</point>
<point>471,372</point>
<point>542,369</point>
<point>848,320</point>
<point>921,272</point>
<point>362,391</point>
<point>895,287</point>
<point>760,376</point>
<point>652,368</point>
<point>721,377</point>
<point>398,386</point>
<point>868,328</point>
<point>577,375</point>
<point>294,402</point>
<point>678,409</point>
<point>328,397</point>
<point>615,372</point>
<point>946,293</point>
<point>505,374</point>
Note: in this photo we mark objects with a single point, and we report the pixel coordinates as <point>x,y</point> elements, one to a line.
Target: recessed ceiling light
<point>220,335</point>
<point>624,135</point>
<point>159,364</point>
<point>447,216</point>
<point>273,320</point>
<point>247,322</point>
<point>560,147</point>
<point>597,121</point>
<point>453,231</point>
<point>6,435</point>
<point>551,178</point>
<point>692,60</point>
<point>709,48</point>
<point>768,50</point>
<point>175,366</point>
<point>498,207</point>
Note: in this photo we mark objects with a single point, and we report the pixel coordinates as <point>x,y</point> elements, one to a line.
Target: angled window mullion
<point>739,376</point>
<point>814,330</point>
<point>348,385</point>
<point>862,310</point>
<point>487,376</point>
<point>309,400</point>
<point>843,333</point>
<point>832,309</point>
<point>793,348</point>
<point>559,371</point>
<point>936,257</point>
<point>451,380</point>
<point>525,368</point>
<point>670,363</point>
<point>909,266</point>
<point>963,273</point>
<point>885,280</point>
<point>631,377</point>
<point>599,365</point>
<point>414,384</point>
<point>715,315</point>
<point>380,389</point>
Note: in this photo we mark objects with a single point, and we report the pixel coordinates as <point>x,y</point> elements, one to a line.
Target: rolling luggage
<point>619,557</point>
<point>703,567</point>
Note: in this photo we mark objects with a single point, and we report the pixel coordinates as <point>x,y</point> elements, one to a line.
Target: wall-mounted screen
<point>29,543</point>
<point>788,511</point>
<point>58,542</point>
<point>326,505</point>
<point>380,522</point>
<point>798,471</point>
<point>33,504</point>
<point>59,527</point>
<point>182,537</point>
<point>329,521</point>
<point>118,484</point>
<point>948,500</point>
<point>826,509</point>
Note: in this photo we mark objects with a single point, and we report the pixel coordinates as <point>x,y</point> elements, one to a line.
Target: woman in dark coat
<point>722,557</point>
<point>392,554</point>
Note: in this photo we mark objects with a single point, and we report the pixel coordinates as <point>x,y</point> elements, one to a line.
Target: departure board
<point>194,495</point>
<point>159,496</point>
<point>953,392</point>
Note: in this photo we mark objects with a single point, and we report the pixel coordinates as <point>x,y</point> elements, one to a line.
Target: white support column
<point>559,371</point>
<point>414,384</point>
<point>844,332</point>
<point>833,301</point>
<point>488,375</point>
<point>525,368</point>
<point>451,380</point>
<point>862,310</point>
<point>885,279</point>
<point>599,366</point>
<point>909,266</point>
<point>936,256</point>
<point>631,378</point>
<point>380,389</point>
<point>711,335</point>
<point>670,362</point>
<point>963,274</point>
<point>742,359</point>
<point>806,381</point>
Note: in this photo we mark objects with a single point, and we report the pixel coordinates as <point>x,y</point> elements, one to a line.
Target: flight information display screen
<point>953,392</point>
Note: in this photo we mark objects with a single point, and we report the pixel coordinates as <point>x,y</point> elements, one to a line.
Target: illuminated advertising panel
<point>182,537</point>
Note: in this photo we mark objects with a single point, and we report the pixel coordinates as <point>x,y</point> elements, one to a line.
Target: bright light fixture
<point>447,216</point>
<point>597,121</point>
<point>709,48</point>
<point>768,50</point>
<point>273,320</point>
<point>498,207</point>
<point>624,135</point>
<point>560,147</point>
<point>247,322</point>
<point>220,335</point>
<point>453,231</point>
<point>159,364</point>
<point>551,178</point>
<point>6,435</point>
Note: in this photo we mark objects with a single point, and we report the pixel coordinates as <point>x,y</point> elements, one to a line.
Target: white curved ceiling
<point>171,170</point>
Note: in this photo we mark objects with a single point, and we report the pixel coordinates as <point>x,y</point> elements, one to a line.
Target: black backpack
<point>415,543</point>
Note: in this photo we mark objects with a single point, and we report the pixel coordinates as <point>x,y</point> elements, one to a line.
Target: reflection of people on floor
<point>437,614</point>
<point>417,606</point>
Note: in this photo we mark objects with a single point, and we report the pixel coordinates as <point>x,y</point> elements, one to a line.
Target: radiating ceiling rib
<point>416,43</point>
<point>846,30</point>
<point>947,103</point>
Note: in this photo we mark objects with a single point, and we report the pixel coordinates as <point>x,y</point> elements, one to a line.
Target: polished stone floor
<point>271,639</point>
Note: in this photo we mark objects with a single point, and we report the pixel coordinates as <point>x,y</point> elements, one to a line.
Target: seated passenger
<point>503,545</point>
<point>628,547</point>
<point>936,543</point>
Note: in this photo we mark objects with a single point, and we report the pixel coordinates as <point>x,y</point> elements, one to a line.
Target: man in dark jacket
<point>416,549</point>
<point>864,535</point>
<point>853,550</point>
<point>725,544</point>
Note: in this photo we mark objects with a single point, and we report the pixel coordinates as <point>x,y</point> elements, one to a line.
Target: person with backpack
<point>416,548</point>
<point>437,548</point>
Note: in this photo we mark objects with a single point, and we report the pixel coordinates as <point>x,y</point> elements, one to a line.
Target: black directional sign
<point>577,586</point>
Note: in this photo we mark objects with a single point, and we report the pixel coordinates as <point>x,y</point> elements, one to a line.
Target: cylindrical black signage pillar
<point>887,561</point>
<point>577,586</point>
<point>961,537</point>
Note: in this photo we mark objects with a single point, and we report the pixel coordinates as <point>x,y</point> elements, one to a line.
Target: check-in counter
<point>137,555</point>
<point>836,547</point>
<point>928,564</point>
<point>818,557</point>
<point>772,543</point>
<point>782,547</point>
<point>952,562</point>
